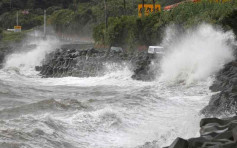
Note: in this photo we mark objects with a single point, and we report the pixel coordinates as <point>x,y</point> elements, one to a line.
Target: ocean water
<point>113,110</point>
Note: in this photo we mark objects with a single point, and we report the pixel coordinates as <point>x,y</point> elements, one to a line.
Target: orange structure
<point>148,9</point>
<point>167,8</point>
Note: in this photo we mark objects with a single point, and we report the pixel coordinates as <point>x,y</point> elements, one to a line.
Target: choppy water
<point>102,112</point>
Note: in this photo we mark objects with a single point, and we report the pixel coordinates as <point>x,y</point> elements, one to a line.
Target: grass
<point>10,37</point>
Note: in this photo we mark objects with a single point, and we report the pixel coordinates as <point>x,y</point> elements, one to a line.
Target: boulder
<point>226,100</point>
<point>179,143</point>
<point>223,134</point>
<point>84,63</point>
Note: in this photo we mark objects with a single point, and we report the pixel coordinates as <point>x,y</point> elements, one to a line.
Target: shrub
<point>131,31</point>
<point>61,19</point>
<point>8,37</point>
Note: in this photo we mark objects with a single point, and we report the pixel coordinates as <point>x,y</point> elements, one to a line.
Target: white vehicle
<point>156,50</point>
<point>116,49</point>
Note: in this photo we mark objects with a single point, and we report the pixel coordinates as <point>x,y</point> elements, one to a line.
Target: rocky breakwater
<point>218,133</point>
<point>91,62</point>
<point>214,133</point>
<point>143,69</point>
<point>225,100</point>
<point>71,62</point>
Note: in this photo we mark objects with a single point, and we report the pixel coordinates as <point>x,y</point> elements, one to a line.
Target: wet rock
<point>226,100</point>
<point>142,68</point>
<point>179,143</point>
<point>90,62</point>
<point>38,68</point>
<point>214,133</point>
<point>196,142</point>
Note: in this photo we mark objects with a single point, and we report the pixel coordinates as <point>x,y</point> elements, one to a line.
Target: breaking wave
<point>112,110</point>
<point>196,54</point>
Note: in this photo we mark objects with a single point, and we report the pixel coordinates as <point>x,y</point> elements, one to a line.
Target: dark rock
<point>215,133</point>
<point>234,132</point>
<point>226,135</point>
<point>196,142</point>
<point>142,68</point>
<point>211,144</point>
<point>229,145</point>
<point>210,120</point>
<point>38,68</point>
<point>226,100</point>
<point>89,62</point>
<point>179,143</point>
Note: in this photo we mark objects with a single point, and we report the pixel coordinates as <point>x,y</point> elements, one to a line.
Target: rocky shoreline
<point>214,133</point>
<point>225,101</point>
<point>91,62</point>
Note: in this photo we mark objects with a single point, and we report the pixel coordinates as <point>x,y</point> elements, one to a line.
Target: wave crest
<point>197,54</point>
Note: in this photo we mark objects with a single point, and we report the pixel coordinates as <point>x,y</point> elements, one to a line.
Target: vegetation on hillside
<point>125,28</point>
<point>82,17</point>
<point>13,36</point>
<point>30,11</point>
<point>130,31</point>
<point>71,16</point>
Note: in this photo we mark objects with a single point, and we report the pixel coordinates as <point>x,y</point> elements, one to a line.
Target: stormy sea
<point>111,110</point>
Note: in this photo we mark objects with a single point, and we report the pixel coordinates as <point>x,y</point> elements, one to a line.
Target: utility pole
<point>44,24</point>
<point>17,18</point>
<point>154,6</point>
<point>106,18</point>
<point>106,26</point>
<point>124,7</point>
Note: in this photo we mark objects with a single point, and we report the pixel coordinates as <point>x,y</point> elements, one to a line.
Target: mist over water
<point>26,61</point>
<point>111,110</point>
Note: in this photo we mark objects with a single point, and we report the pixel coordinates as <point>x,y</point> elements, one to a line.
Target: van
<point>156,50</point>
<point>116,49</point>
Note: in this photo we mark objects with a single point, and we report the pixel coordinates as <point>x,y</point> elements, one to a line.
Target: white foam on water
<point>135,112</point>
<point>25,62</point>
<point>115,75</point>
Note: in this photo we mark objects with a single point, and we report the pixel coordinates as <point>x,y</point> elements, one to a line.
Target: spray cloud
<point>196,54</point>
<point>27,60</point>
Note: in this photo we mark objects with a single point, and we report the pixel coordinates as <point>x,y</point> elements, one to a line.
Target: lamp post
<point>44,24</point>
<point>154,5</point>
<point>124,6</point>
<point>106,27</point>
<point>17,18</point>
<point>106,18</point>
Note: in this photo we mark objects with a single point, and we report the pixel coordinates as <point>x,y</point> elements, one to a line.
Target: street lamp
<point>124,6</point>
<point>154,5</point>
